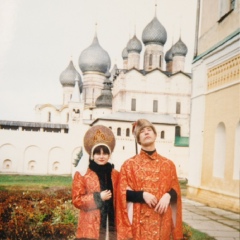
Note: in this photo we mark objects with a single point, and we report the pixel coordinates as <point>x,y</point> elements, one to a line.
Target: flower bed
<point>47,214</point>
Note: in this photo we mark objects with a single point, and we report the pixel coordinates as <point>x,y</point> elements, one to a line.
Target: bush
<point>37,215</point>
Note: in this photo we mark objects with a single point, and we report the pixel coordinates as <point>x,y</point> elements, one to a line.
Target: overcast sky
<point>38,38</point>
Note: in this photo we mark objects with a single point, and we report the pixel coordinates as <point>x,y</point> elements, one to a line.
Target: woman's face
<point>101,158</point>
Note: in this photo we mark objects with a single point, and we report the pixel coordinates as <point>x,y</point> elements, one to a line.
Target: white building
<point>117,99</point>
<point>214,157</point>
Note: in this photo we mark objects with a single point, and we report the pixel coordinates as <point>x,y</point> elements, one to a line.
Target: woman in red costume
<point>94,193</point>
<point>148,199</point>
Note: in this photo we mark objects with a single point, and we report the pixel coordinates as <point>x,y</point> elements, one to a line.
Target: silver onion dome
<point>134,45</point>
<point>179,48</point>
<point>69,76</point>
<point>125,53</point>
<point>168,55</point>
<point>154,33</point>
<point>94,58</point>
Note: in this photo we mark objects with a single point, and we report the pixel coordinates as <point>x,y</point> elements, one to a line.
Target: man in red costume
<point>149,203</point>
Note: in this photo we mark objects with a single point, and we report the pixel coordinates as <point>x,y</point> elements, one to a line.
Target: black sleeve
<point>135,196</point>
<point>173,195</point>
<point>97,199</point>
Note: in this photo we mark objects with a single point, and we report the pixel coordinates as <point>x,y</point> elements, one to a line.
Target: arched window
<point>236,166</point>
<point>127,132</point>
<point>7,164</point>
<point>150,60</point>
<point>55,166</point>
<point>31,165</point>
<point>177,131</point>
<point>219,151</point>
<point>162,134</point>
<point>119,132</point>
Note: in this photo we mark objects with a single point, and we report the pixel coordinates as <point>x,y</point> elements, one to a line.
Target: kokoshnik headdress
<point>98,135</point>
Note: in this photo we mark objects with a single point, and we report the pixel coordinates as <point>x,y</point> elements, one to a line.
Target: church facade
<point>159,91</point>
<point>214,157</point>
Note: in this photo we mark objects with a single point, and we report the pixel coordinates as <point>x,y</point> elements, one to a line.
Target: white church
<point>112,96</point>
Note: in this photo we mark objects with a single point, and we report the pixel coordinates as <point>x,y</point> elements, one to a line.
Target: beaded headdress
<point>98,135</point>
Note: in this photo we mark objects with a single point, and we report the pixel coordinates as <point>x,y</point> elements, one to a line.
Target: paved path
<point>217,223</point>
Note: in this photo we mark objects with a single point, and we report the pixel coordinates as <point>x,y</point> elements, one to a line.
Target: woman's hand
<point>149,199</point>
<point>163,203</point>
<point>105,195</point>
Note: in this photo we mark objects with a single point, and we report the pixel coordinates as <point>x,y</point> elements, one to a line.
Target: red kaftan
<point>82,197</point>
<point>156,175</point>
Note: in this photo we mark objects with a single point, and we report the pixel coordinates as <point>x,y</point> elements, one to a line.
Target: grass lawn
<point>38,183</point>
<point>33,182</point>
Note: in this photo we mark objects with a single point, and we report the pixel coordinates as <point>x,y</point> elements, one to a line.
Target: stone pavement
<point>217,223</point>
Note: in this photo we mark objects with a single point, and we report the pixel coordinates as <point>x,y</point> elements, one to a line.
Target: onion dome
<point>179,48</point>
<point>94,58</point>
<point>168,55</point>
<point>105,99</point>
<point>70,75</point>
<point>134,45</point>
<point>125,53</point>
<point>154,33</point>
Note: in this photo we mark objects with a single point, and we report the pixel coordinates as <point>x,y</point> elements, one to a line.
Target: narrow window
<point>49,116</point>
<point>177,131</point>
<point>162,134</point>
<point>133,107</point>
<point>178,108</point>
<point>127,132</point>
<point>155,106</point>
<point>67,117</point>
<point>119,132</point>
<point>150,60</point>
<point>160,61</point>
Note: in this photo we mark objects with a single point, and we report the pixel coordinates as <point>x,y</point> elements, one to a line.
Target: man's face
<point>147,137</point>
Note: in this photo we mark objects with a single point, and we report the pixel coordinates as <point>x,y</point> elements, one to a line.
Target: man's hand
<point>149,199</point>
<point>163,203</point>
<point>105,195</point>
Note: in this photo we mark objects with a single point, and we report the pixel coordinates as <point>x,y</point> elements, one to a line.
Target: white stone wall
<point>37,152</point>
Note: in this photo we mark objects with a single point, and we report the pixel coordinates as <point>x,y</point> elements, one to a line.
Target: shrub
<point>37,215</point>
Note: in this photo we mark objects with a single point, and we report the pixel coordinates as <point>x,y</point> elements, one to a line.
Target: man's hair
<point>139,125</point>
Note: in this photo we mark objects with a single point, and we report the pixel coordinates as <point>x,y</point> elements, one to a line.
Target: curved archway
<point>219,151</point>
